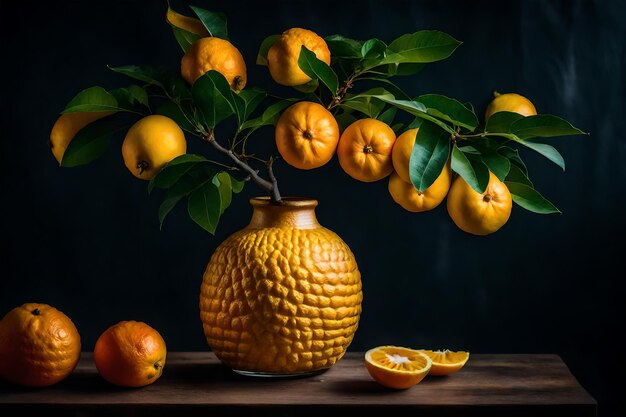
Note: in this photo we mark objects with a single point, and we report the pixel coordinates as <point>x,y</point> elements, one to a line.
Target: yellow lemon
<point>512,102</point>
<point>67,126</point>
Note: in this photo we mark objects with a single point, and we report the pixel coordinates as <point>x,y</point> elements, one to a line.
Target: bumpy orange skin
<point>130,354</point>
<point>217,54</point>
<point>39,345</point>
<point>67,126</point>
<point>511,102</point>
<point>282,57</point>
<point>307,135</point>
<point>479,214</point>
<point>407,196</point>
<point>365,148</point>
<point>281,299</point>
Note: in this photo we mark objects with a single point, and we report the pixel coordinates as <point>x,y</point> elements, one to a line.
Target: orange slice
<point>397,367</point>
<point>446,362</point>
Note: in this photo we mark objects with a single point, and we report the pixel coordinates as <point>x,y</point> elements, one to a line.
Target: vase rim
<point>301,202</point>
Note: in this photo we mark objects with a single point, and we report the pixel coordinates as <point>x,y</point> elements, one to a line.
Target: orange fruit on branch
<point>39,345</point>
<point>365,148</point>
<point>282,57</point>
<point>445,362</point>
<point>217,54</point>
<point>479,214</point>
<point>401,154</point>
<point>397,367</point>
<point>67,126</point>
<point>150,144</point>
<point>130,354</point>
<point>407,196</point>
<point>307,135</point>
<point>511,102</point>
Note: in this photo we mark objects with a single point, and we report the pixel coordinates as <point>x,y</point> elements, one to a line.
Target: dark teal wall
<point>86,240</point>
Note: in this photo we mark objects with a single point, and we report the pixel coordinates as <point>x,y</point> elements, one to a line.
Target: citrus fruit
<point>407,196</point>
<point>512,102</point>
<point>397,367</point>
<point>217,54</point>
<point>365,148</point>
<point>67,126</point>
<point>307,135</point>
<point>445,362</point>
<point>282,296</point>
<point>189,24</point>
<point>401,154</point>
<point>479,214</point>
<point>150,144</point>
<point>282,57</point>
<point>39,345</point>
<point>130,354</point>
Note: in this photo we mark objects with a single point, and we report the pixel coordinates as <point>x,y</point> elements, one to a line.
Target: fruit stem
<point>36,312</point>
<point>271,187</point>
<point>142,166</point>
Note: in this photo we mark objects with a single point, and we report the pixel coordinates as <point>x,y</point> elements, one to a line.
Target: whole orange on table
<point>39,345</point>
<point>130,354</point>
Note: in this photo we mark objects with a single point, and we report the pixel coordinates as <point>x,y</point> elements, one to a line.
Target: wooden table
<point>197,384</point>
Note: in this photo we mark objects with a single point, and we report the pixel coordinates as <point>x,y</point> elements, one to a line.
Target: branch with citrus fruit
<point>442,148</point>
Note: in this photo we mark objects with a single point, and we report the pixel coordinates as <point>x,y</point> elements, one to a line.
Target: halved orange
<point>397,367</point>
<point>445,362</point>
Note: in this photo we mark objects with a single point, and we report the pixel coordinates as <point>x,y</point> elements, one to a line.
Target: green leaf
<point>388,115</point>
<point>498,164</point>
<point>417,109</point>
<point>204,206</point>
<point>174,170</point>
<point>429,155</point>
<point>517,175</point>
<point>214,98</point>
<point>171,110</point>
<point>390,88</point>
<point>373,48</point>
<point>420,47</point>
<point>501,122</point>
<point>214,22</point>
<point>183,187</point>
<point>252,97</point>
<point>270,116</point>
<point>129,96</point>
<point>366,104</point>
<point>345,119</point>
<point>543,125</point>
<point>513,156</point>
<point>94,99</point>
<point>185,39</point>
<point>261,58</point>
<point>90,142</point>
<point>318,69</point>
<point>222,180</point>
<point>309,87</point>
<point>546,150</point>
<point>449,109</point>
<point>148,74</point>
<point>342,47</point>
<point>530,199</point>
<point>472,169</point>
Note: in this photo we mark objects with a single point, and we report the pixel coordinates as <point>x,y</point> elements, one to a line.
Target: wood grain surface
<point>195,383</point>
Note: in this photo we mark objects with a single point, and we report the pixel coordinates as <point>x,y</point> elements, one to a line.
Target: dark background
<point>87,241</point>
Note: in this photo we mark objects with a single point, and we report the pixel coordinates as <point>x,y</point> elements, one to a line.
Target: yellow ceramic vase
<point>283,295</point>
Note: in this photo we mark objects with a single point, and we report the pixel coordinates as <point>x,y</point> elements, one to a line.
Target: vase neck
<point>293,212</point>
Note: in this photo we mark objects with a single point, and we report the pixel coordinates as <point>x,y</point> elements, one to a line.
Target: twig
<point>270,187</point>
